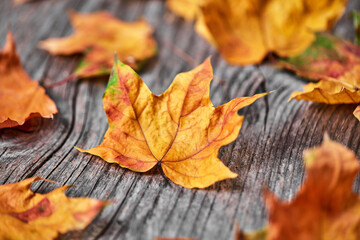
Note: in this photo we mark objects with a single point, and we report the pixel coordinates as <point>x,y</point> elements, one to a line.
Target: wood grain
<point>267,153</point>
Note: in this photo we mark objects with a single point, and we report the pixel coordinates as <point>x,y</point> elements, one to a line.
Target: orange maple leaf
<point>132,41</point>
<point>325,207</point>
<point>333,61</point>
<point>179,130</point>
<point>33,216</point>
<point>246,31</point>
<point>20,97</point>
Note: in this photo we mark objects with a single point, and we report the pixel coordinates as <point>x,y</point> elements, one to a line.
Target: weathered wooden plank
<point>268,151</point>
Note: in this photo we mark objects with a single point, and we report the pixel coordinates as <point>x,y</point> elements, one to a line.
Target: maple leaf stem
<point>180,53</point>
<point>61,82</point>
<point>349,85</point>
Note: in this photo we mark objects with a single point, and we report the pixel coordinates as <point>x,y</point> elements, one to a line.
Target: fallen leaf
<point>333,61</point>
<point>132,41</point>
<point>28,215</point>
<point>20,97</point>
<point>179,130</point>
<point>245,32</point>
<point>329,58</point>
<point>326,206</point>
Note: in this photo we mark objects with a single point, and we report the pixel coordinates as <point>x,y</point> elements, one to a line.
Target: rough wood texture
<point>268,151</point>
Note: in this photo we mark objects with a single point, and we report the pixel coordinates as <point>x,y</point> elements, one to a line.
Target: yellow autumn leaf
<point>179,130</point>
<point>333,61</point>
<point>327,92</point>
<point>326,206</point>
<point>25,215</point>
<point>98,35</point>
<point>245,31</point>
<point>21,98</point>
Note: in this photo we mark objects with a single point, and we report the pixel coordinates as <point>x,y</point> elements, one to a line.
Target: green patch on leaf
<point>88,69</point>
<point>323,41</point>
<point>324,47</point>
<point>112,80</point>
<point>356,20</point>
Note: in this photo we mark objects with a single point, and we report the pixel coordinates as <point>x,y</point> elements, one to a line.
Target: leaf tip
<point>79,149</point>
<point>294,95</point>
<point>326,137</point>
<point>117,61</point>
<point>9,36</point>
<point>233,175</point>
<point>10,43</point>
<point>356,112</point>
<point>207,64</point>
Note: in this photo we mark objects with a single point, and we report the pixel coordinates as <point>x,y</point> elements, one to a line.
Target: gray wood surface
<point>268,151</point>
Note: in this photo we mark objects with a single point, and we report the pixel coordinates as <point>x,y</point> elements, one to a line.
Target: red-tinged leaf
<point>325,207</point>
<point>132,41</point>
<point>33,216</point>
<point>333,61</point>
<point>179,130</point>
<point>21,98</point>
